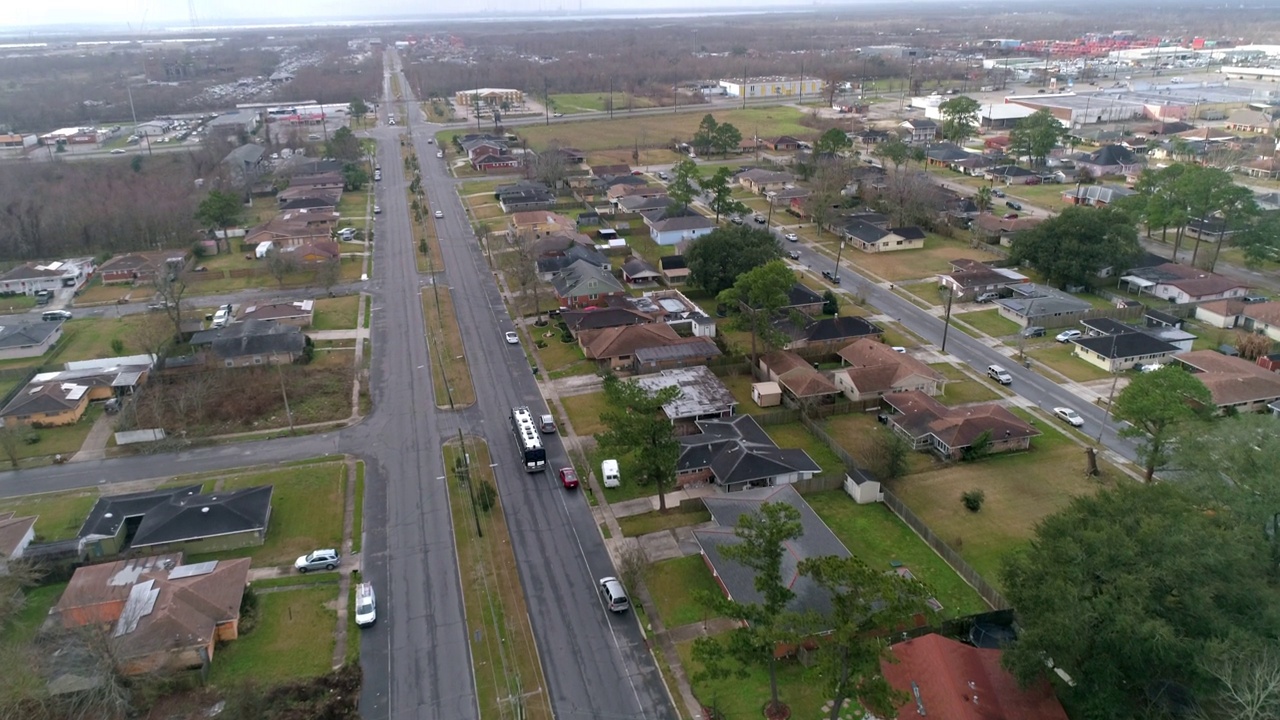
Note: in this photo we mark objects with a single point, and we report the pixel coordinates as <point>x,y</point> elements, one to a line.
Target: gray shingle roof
<point>738,451</point>
<point>583,278</point>
<point>25,334</point>
<point>252,337</point>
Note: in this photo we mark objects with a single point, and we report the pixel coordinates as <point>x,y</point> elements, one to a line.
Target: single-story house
<point>615,347</point>
<point>28,278</point>
<point>299,312</point>
<point>313,252</point>
<point>552,263</point>
<point>702,395</point>
<point>759,181</point>
<point>798,378</point>
<point>825,334</point>
<point>606,317</point>
<point>61,397</point>
<point>330,195</point>
<point>1042,305</point>
<point>1250,121</point>
<point>970,278</point>
<point>675,230</point>
<point>674,269</point>
<point>176,519</point>
<point>862,235</point>
<point>310,204</point>
<point>583,284</point>
<point>899,238</point>
<point>1108,160</point>
<point>292,229</point>
<point>800,298</point>
<point>1262,318</point>
<point>626,189</point>
<point>23,340</point>
<point>244,163</point>
<point>252,342</point>
<point>641,203</point>
<point>1234,383</point>
<point>523,196</point>
<point>166,615</point>
<point>737,454</point>
<point>1183,284</point>
<point>140,266</point>
<point>16,533</point>
<point>1095,195</point>
<point>950,432</point>
<point>637,271</point>
<point>1122,351</point>
<point>1009,174</point>
<point>996,229</point>
<point>782,143</point>
<point>949,679</point>
<point>875,370</point>
<point>1266,167</point>
<point>497,163</point>
<point>690,352</point>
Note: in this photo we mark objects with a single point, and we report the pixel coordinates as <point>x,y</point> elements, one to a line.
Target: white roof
<point>1005,111</point>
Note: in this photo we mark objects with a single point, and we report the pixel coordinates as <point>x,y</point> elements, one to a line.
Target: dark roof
<point>1106,326</point>
<point>1155,317</point>
<point>673,262</point>
<point>863,230</point>
<point>1010,171</point>
<point>1111,155</point>
<point>910,232</point>
<point>799,294</point>
<point>180,514</point>
<point>24,334</point>
<point>252,337</point>
<point>839,328</point>
<point>306,203</point>
<point>569,256</point>
<point>946,152</point>
<point>111,511</point>
<point>694,348</point>
<point>816,540</point>
<point>1126,345</point>
<point>738,450</point>
<point>637,266</point>
<point>578,320</point>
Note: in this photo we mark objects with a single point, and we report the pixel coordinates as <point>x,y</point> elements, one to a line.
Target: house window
<point>229,363</point>
<point>257,360</point>
<point>592,296</point>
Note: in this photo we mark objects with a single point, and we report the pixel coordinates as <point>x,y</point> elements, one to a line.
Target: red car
<point>568,478</point>
<point>1011,216</point>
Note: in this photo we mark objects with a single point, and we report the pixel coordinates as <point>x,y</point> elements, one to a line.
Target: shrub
<point>973,500</point>
<point>486,495</point>
<point>117,346</point>
<point>31,438</point>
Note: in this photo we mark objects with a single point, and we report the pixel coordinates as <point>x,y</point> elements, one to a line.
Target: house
<point>702,395</point>
<point>672,307</point>
<point>325,204</point>
<point>689,352</point>
<point>582,284</point>
<point>674,269</point>
<point>1234,383</point>
<point>1213,228</point>
<point>245,163</point>
<point>619,190</point>
<point>1009,174</point>
<point>637,271</point>
<point>950,432</point>
<point>607,317</point>
<point>802,299</point>
<point>1123,350</point>
<point>61,397</point>
<point>737,454</point>
<point>945,153</point>
<point>571,156</point>
<point>524,195</point>
<point>1262,318</point>
<point>1268,167</point>
<point>166,615</point>
<point>899,238</point>
<point>1182,283</point>
<point>797,377</point>
<point>605,172</point>
<point>541,222</point>
<point>558,242</point>
<point>484,146</point>
<point>551,264</point>
<point>760,181</point>
<point>325,180</point>
<point>141,266</point>
<point>497,163</point>
<point>675,230</point>
<point>328,194</point>
<point>28,278</point>
<point>875,370</point>
<point>787,197</point>
<point>16,533</point>
<point>1048,307</point>
<point>994,228</point>
<point>292,229</point>
<point>971,278</point>
<point>862,235</point>
<point>1108,160</point>
<point>918,131</point>
<point>176,519</point>
<point>1250,121</point>
<point>252,342</point>
<point>641,203</point>
<point>1095,195</point>
<point>615,347</point>
<point>871,137</point>
<point>299,312</point>
<point>316,252</point>
<point>824,334</point>
<point>783,143</point>
<point>948,679</point>
<point>23,340</point>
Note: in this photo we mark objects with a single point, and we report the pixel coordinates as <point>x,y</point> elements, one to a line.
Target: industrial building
<point>772,87</point>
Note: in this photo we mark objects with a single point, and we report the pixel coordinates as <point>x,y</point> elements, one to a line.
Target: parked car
<point>794,254</point>
<point>118,151</point>
<point>1032,331</point>
<point>1011,216</point>
<point>366,605</point>
<point>987,297</point>
<point>832,277</point>
<point>735,220</point>
<point>568,478</point>
<point>663,176</point>
<point>327,559</point>
<point>557,115</point>
<point>547,424</point>
<point>512,338</point>
<point>899,349</point>
<point>1033,181</point>
<point>1067,336</point>
<point>439,153</point>
<point>377,210</point>
<point>792,237</point>
<point>609,474</point>
<point>615,598</point>
<point>760,219</point>
<point>1012,204</point>
<point>55,315</point>
<point>158,306</point>
<point>1068,416</point>
<point>997,192</point>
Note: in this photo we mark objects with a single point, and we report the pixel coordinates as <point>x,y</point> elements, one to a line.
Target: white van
<point>366,605</point>
<point>609,474</point>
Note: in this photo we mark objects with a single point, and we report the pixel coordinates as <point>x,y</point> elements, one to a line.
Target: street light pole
<point>838,252</point>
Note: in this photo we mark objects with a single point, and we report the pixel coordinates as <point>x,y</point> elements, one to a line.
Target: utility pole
<point>839,250</point>
<point>947,320</point>
<point>611,98</point>
<point>744,87</point>
<point>546,102</point>
<point>802,82</point>
<point>284,394</point>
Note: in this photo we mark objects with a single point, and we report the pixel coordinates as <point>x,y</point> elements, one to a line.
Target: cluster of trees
<point>715,136</point>
<point>1072,247</point>
<point>1174,196</point>
<point>718,258</point>
<point>1036,135</point>
<point>1160,600</point>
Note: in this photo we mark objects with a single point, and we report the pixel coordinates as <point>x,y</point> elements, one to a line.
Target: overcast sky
<point>162,13</point>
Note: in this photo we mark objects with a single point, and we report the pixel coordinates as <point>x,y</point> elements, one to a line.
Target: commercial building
<point>491,97</point>
<point>772,87</point>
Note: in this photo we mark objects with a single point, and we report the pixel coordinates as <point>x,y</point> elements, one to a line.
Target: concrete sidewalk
<point>94,446</point>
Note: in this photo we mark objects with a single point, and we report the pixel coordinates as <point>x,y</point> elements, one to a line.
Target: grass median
<point>450,374</point>
<point>509,681</point>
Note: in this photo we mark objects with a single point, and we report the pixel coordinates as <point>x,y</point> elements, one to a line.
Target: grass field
<point>860,435</point>
<point>743,697</point>
<point>1059,357</point>
<point>293,638</point>
<point>450,374</point>
<point>877,537</point>
<point>503,651</point>
<point>64,440</point>
<point>338,313</point>
<point>59,515</point>
<point>673,585</point>
<point>795,435</point>
<point>17,303</point>
<point>584,412</point>
<point>572,103</point>
<point>990,322</point>
<point>650,131</point>
<point>306,512</point>
<point>645,523</point>
<point>934,258</point>
<point>91,338</point>
<point>961,388</point>
<point>1021,489</point>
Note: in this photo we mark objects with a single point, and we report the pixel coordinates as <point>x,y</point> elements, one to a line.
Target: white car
<point>792,237</point>
<point>366,605</point>
<point>377,210</point>
<point>118,151</point>
<point>1069,416</point>
<point>439,153</point>
<point>512,338</point>
<point>1067,336</point>
<point>439,213</point>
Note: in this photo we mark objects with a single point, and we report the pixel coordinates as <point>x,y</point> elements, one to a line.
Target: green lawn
<point>1059,357</point>
<point>961,388</point>
<point>860,435</point>
<point>90,339</point>
<point>743,697</point>
<point>338,313</point>
<point>584,412</point>
<point>795,435</point>
<point>64,440</point>
<point>622,133</point>
<point>27,622</point>
<point>573,103</point>
<point>560,358</point>
<point>673,584</point>
<point>293,637</point>
<point>629,489</point>
<point>877,537</point>
<point>634,525</point>
<point>59,515</point>
<point>934,258</point>
<point>740,386</point>
<point>17,303</point>
<point>990,322</point>
<point>306,512</point>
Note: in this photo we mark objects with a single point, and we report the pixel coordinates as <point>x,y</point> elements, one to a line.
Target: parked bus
<point>528,440</point>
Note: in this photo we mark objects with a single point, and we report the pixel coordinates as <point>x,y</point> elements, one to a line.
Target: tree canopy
<point>894,151</point>
<point>717,259</point>
<point>1071,247</point>
<point>684,182</point>
<point>1037,135</point>
<point>756,297</point>
<point>344,145</point>
<point>221,209</point>
<point>1127,590</point>
<point>637,425</point>
<point>1156,404</point>
<point>721,191</point>
<point>959,118</point>
<point>831,143</point>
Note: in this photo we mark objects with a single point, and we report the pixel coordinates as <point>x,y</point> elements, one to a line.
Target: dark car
<point>1011,216</point>
<point>1013,205</point>
<point>1033,331</point>
<point>568,478</point>
<point>835,279</point>
<point>760,219</point>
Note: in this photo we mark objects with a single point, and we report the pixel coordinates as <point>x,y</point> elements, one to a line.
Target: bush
<point>31,438</point>
<point>973,500</point>
<point>117,346</point>
<point>486,495</point>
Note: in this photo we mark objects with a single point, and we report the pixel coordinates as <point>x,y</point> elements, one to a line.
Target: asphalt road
<point>595,662</point>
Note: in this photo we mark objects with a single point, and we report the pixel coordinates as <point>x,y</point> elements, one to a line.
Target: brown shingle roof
<point>956,427</point>
<point>619,341</point>
<point>1267,312</point>
<point>1231,380</point>
<point>877,368</point>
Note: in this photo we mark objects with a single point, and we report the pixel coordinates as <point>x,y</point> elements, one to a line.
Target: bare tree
<point>548,166</point>
<point>1249,683</point>
<point>10,441</point>
<point>910,198</point>
<point>280,265</point>
<point>170,288</point>
<point>524,268</point>
<point>328,274</point>
<point>830,179</point>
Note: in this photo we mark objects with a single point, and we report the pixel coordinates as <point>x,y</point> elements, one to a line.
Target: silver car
<point>318,560</point>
